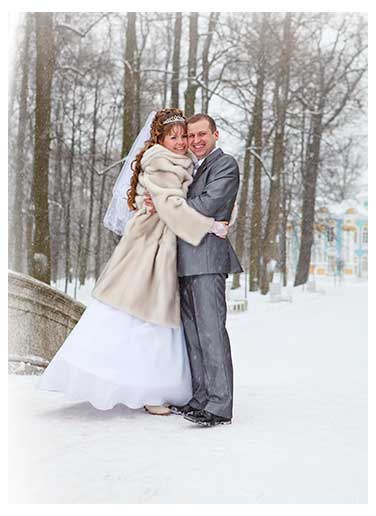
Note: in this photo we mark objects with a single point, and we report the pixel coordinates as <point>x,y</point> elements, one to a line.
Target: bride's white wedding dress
<point>111,357</point>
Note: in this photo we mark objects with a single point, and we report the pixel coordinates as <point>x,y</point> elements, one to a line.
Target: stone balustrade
<point>39,318</point>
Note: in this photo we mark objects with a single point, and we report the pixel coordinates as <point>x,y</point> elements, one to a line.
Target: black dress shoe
<point>205,418</point>
<point>182,410</point>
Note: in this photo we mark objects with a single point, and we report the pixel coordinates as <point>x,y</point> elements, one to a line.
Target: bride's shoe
<point>157,410</point>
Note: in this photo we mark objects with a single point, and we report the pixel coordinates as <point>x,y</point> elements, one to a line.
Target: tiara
<point>172,119</point>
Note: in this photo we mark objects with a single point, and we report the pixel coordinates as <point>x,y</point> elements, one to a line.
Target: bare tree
<point>44,73</point>
<point>176,62</point>
<point>129,84</point>
<point>213,19</point>
<point>144,31</point>
<point>190,92</point>
<point>281,99</point>
<point>93,151</point>
<point>57,202</point>
<point>17,230</point>
<point>341,168</point>
<point>69,189</point>
<point>333,78</point>
<point>255,241</point>
<point>243,203</point>
<point>109,73</point>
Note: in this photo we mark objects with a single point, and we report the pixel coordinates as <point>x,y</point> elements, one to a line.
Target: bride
<point>128,347</point>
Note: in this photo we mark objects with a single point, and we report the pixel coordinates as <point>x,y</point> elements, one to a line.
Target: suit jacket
<point>212,193</point>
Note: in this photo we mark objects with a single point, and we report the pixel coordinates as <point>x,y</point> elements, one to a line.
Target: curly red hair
<point>158,133</point>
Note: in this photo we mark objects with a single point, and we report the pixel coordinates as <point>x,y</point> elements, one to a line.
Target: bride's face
<point>176,140</point>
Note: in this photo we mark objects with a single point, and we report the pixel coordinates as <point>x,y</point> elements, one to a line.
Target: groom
<point>202,272</point>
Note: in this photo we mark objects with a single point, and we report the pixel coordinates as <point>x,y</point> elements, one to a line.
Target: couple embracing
<point>154,334</point>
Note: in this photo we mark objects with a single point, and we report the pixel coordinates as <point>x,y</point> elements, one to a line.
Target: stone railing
<point>40,318</point>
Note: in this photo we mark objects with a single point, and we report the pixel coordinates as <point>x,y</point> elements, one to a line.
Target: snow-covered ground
<point>299,433</point>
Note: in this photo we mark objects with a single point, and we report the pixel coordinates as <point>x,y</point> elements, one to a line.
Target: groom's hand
<point>149,203</point>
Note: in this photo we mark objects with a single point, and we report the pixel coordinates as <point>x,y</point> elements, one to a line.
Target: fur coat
<point>141,276</point>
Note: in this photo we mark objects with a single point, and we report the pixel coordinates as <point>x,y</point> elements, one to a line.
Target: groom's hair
<point>202,116</point>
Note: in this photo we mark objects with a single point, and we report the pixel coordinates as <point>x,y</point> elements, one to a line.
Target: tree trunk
<point>176,62</point>
<point>138,79</point>
<point>81,259</point>
<point>80,269</point>
<point>69,201</point>
<point>309,197</point>
<point>286,209</point>
<point>213,18</point>
<point>93,150</point>
<point>190,92</point>
<point>17,229</point>
<point>255,241</point>
<point>57,207</point>
<point>41,269</point>
<point>129,85</point>
<point>98,248</point>
<point>137,103</point>
<point>270,244</point>
<point>243,203</point>
<point>168,58</point>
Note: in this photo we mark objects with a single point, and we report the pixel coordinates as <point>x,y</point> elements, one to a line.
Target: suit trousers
<point>203,310</point>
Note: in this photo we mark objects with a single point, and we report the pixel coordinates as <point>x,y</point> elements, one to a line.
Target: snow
<point>299,433</point>
<point>83,292</point>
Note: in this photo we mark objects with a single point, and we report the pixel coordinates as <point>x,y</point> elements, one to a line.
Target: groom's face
<point>201,139</point>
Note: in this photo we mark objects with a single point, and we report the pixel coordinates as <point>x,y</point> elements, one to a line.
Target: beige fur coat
<point>140,276</point>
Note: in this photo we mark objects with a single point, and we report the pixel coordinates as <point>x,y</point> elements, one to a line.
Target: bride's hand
<point>220,228</point>
<point>149,203</point>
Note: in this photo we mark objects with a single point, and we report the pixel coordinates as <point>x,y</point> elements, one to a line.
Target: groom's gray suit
<point>202,273</point>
